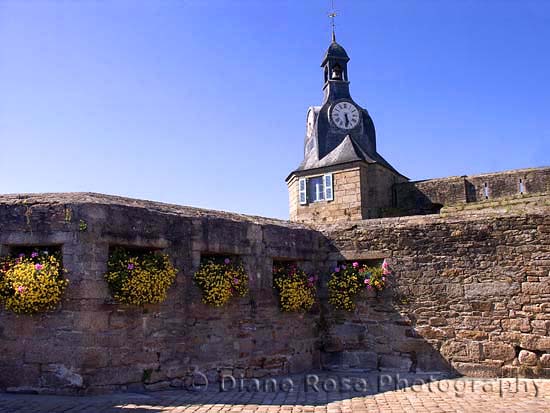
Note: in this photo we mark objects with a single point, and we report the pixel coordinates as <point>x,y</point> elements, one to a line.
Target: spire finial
<point>332,15</point>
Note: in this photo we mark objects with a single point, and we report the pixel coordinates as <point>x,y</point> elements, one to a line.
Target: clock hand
<point>347,120</point>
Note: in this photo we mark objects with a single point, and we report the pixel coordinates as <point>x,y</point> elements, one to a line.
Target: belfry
<point>342,176</point>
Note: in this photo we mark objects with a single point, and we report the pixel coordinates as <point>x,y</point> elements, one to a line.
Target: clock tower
<point>342,176</point>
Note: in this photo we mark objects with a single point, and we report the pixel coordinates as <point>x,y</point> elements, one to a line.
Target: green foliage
<point>296,288</point>
<point>139,278</point>
<point>82,226</point>
<point>220,279</point>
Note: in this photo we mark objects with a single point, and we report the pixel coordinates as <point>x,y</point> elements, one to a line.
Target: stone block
<point>461,350</point>
<point>535,288</point>
<point>391,362</point>
<point>498,351</point>
<point>527,358</point>
<point>477,369</point>
<point>491,289</point>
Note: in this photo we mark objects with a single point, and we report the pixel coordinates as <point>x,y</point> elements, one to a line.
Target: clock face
<point>345,115</point>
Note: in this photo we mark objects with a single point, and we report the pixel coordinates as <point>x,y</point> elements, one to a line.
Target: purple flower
<point>227,261</point>
<point>20,289</point>
<point>235,281</point>
<point>311,279</point>
<point>355,264</point>
<point>34,255</point>
<point>337,269</point>
<point>383,278</point>
<point>38,267</point>
<point>131,267</point>
<point>343,266</point>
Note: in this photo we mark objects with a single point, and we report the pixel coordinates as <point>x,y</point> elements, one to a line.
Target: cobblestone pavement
<point>447,395</point>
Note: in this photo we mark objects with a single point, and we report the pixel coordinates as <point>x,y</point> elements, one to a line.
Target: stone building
<point>343,177</point>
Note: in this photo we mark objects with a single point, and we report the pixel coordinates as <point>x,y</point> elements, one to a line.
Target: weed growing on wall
<point>220,279</point>
<point>295,287</point>
<point>348,280</point>
<point>32,283</point>
<point>139,278</point>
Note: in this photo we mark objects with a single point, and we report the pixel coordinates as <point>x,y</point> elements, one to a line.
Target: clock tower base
<point>360,191</point>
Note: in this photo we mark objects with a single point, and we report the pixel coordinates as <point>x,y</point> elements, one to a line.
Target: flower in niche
<point>348,280</point>
<point>139,278</point>
<point>295,288</point>
<point>28,287</point>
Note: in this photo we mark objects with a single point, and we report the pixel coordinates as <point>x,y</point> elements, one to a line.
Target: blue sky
<point>203,103</point>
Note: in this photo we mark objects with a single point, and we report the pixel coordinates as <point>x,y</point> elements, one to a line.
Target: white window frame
<point>322,193</point>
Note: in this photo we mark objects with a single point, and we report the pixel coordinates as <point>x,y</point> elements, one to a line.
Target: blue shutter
<point>329,193</point>
<point>302,191</point>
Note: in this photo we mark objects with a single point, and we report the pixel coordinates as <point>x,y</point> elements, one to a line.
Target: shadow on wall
<point>410,200</point>
<point>379,337</point>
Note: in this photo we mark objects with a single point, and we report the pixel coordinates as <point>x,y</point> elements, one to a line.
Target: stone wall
<point>470,294</point>
<point>428,196</point>
<point>93,344</point>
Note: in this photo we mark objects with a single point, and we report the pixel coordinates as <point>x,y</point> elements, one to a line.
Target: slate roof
<point>347,151</point>
<point>335,51</point>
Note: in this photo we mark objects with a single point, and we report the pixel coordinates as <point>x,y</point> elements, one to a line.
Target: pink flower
<point>131,267</point>
<point>337,269</point>
<point>38,267</point>
<point>369,287</point>
<point>367,281</point>
<point>386,271</point>
<point>385,265</point>
<point>355,264</point>
<point>383,278</point>
<point>227,261</point>
<point>20,289</point>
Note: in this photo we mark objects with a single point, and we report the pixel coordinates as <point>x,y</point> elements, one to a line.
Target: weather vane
<point>332,14</point>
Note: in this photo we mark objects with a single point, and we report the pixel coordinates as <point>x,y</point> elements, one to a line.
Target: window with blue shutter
<point>329,193</point>
<point>302,191</point>
<point>316,189</point>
